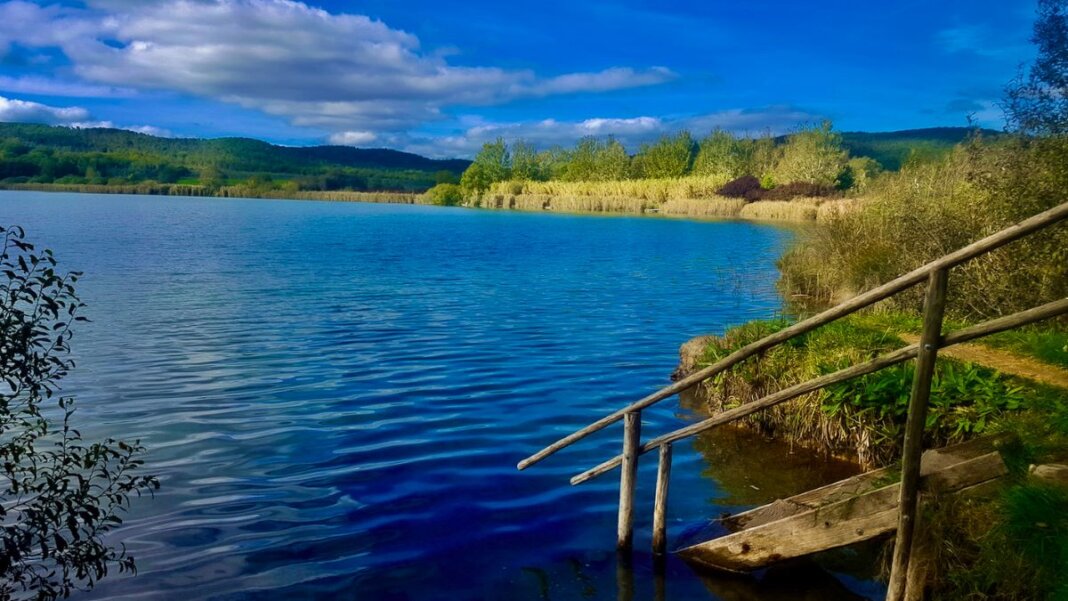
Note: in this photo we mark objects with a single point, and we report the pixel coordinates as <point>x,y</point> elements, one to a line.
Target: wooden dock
<point>847,512</point>
<point>853,510</point>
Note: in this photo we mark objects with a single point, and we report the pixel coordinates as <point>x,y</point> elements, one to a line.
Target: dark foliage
<point>59,494</point>
<point>743,187</point>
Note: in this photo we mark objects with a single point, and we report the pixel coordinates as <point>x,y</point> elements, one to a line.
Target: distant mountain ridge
<point>238,153</point>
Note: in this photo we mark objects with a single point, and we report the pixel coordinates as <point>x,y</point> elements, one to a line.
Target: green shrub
<point>445,194</point>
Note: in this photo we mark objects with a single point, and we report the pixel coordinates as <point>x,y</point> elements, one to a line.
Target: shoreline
<point>798,211</point>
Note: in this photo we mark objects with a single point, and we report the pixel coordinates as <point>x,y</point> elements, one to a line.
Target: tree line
<point>813,154</point>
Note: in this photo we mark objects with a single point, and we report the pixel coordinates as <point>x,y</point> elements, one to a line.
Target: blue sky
<point>441,78</point>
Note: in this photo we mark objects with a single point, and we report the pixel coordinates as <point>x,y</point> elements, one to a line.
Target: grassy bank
<point>154,189</point>
<point>863,420</point>
<point>715,207</point>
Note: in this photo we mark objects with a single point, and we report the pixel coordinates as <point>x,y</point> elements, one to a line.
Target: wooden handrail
<point>853,305</point>
<point>1047,311</point>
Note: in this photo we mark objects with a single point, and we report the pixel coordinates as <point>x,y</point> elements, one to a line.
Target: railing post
<point>934,308</point>
<point>632,430</point>
<point>663,474</point>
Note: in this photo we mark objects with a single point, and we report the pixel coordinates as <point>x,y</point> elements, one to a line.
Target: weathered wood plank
<point>835,525</point>
<point>933,460</point>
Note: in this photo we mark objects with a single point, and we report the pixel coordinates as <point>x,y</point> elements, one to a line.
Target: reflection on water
<point>335,395</point>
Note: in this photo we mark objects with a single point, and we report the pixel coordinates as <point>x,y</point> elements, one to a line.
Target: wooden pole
<point>663,474</point>
<point>632,430</point>
<point>934,308</point>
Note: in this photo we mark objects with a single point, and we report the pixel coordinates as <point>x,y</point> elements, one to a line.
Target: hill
<point>893,148</point>
<point>31,153</point>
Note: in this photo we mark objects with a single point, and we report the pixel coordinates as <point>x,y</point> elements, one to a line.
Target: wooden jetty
<point>852,510</point>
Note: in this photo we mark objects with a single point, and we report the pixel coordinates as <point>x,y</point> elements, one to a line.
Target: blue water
<point>335,395</point>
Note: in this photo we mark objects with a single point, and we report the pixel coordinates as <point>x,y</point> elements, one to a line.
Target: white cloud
<point>24,111</point>
<point>344,72</point>
<point>632,132</point>
<point>353,138</point>
<point>45,86</point>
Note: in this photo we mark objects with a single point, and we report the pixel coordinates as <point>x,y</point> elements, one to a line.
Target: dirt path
<point>1003,361</point>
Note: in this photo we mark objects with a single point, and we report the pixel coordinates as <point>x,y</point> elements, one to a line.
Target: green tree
<point>720,153</point>
<point>525,164</point>
<point>495,160</point>
<point>59,494</point>
<point>813,155</point>
<point>670,156</point>
<point>475,180</point>
<point>582,161</point>
<point>611,161</point>
<point>1037,102</point>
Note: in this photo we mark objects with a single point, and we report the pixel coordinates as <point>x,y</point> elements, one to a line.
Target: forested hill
<point>893,148</point>
<point>46,154</point>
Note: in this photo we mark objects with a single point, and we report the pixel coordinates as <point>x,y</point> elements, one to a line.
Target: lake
<point>335,395</point>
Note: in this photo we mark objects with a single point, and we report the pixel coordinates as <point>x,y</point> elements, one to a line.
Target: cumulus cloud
<point>14,110</point>
<point>353,138</point>
<point>345,72</point>
<point>632,132</point>
<point>24,111</point>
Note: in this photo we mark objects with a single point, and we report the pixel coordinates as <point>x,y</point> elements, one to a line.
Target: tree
<point>611,161</point>
<point>494,160</point>
<point>582,161</point>
<point>525,165</point>
<point>670,156</point>
<point>59,494</point>
<point>814,155</point>
<point>720,154</point>
<point>1036,103</point>
<point>475,179</point>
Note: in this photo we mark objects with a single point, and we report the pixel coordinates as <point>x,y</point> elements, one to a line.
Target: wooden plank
<point>933,460</point>
<point>915,423</point>
<point>663,475</point>
<point>853,305</point>
<point>632,428</point>
<point>835,525</point>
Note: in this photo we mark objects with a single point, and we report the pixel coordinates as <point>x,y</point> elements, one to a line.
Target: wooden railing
<point>925,352</point>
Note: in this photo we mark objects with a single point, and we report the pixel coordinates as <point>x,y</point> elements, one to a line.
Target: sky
<point>441,78</point>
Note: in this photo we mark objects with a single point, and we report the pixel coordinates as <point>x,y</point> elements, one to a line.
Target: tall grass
<point>781,210</point>
<point>928,210</point>
<point>155,189</point>
<point>658,190</point>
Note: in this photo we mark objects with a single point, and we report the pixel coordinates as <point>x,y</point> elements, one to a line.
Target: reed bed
<point>224,192</point>
<point>334,195</point>
<point>719,207</point>
<point>658,190</point>
<point>802,209</point>
<point>145,188</point>
<point>566,204</point>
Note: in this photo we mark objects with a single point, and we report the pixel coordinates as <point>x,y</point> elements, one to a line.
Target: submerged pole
<point>663,475</point>
<point>632,428</point>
